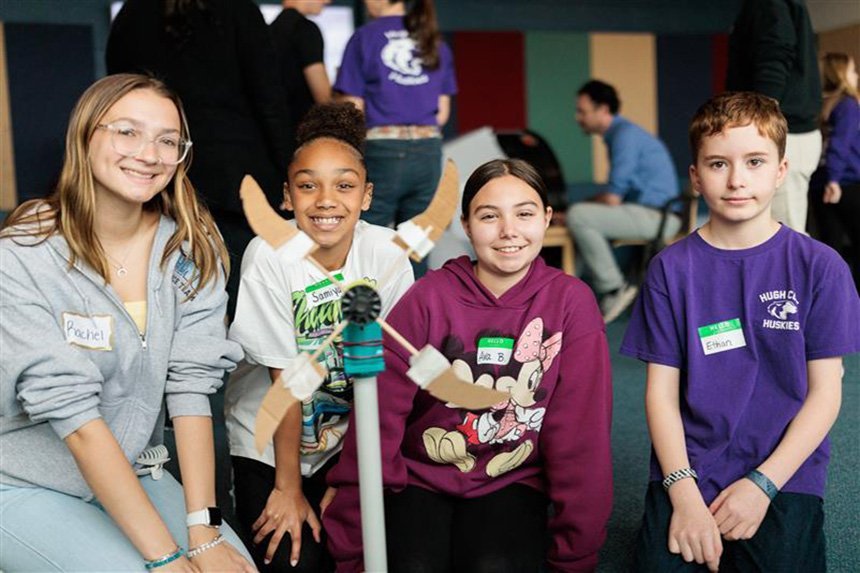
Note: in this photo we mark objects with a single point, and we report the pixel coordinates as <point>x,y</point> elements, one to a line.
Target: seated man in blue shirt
<point>642,179</point>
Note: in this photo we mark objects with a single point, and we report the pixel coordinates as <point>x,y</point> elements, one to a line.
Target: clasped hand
<point>696,531</point>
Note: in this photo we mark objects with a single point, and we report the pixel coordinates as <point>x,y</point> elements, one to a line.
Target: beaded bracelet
<point>195,551</point>
<point>763,482</point>
<point>678,475</point>
<point>164,559</point>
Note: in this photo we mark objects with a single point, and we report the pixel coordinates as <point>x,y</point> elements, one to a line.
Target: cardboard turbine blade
<point>290,243</point>
<point>422,232</point>
<point>272,410</point>
<point>432,371</point>
<point>296,385</point>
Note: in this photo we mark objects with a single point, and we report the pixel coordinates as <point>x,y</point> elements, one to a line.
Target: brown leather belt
<point>403,132</point>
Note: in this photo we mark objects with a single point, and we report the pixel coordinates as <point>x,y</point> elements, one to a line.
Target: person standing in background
<point>772,51</point>
<point>835,187</point>
<point>299,45</point>
<point>217,55</point>
<point>400,72</point>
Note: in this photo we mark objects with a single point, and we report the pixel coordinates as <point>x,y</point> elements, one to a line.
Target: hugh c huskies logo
<point>399,56</point>
<point>781,305</point>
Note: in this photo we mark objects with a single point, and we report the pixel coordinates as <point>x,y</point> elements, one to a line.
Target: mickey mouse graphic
<point>507,421</point>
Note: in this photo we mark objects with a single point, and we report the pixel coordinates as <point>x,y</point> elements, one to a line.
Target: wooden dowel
<point>398,337</point>
<point>329,339</point>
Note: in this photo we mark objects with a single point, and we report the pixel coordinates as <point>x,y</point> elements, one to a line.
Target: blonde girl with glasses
<point>112,308</point>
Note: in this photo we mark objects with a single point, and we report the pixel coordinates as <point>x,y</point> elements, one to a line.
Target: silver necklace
<point>121,269</point>
<point>119,265</point>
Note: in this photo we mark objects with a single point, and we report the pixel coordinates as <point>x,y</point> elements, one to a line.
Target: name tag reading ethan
<point>323,292</point>
<point>722,336</point>
<point>495,350</point>
<point>93,332</point>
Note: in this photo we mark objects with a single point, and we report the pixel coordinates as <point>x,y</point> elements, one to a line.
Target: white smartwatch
<point>209,516</point>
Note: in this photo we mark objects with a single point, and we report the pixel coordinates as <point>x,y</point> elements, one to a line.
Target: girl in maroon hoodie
<point>469,490</point>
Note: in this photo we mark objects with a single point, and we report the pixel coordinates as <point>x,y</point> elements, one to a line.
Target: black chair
<point>531,147</point>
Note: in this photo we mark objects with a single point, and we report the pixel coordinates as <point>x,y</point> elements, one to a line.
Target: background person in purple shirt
<point>743,325</point>
<point>398,70</point>
<point>835,187</point>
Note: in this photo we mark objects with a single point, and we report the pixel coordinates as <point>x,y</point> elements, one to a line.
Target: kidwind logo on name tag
<point>722,336</point>
<point>495,350</point>
<point>323,292</point>
<point>93,332</point>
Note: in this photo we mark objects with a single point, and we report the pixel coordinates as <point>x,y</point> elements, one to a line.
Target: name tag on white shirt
<point>323,292</point>
<point>93,332</point>
<point>722,336</point>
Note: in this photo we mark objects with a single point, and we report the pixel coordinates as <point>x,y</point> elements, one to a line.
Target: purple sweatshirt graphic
<point>543,342</point>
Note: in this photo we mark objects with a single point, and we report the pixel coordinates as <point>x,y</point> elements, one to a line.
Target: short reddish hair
<point>738,109</point>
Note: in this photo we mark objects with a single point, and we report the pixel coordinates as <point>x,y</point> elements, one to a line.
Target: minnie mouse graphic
<point>507,421</point>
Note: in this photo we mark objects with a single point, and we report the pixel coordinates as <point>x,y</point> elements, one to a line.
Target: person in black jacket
<point>772,51</point>
<point>217,55</point>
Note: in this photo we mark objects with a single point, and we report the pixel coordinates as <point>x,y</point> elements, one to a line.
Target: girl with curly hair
<point>284,310</point>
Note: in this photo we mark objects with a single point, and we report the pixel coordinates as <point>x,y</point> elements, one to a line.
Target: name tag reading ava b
<point>722,336</point>
<point>323,292</point>
<point>495,350</point>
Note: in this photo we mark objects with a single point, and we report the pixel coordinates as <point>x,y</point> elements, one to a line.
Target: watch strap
<point>208,516</point>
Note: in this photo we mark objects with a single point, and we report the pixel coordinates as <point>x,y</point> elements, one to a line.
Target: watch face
<point>214,516</point>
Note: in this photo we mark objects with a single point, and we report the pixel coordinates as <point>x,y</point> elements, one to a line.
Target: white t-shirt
<point>283,310</point>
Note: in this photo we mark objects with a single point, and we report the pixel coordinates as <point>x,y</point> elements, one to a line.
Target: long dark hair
<point>421,23</point>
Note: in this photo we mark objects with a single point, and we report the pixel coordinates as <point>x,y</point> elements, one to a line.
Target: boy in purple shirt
<point>743,325</point>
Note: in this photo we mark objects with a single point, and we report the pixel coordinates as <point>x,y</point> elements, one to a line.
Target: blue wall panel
<point>684,82</point>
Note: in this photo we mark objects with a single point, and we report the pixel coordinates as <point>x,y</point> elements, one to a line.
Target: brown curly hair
<point>341,121</point>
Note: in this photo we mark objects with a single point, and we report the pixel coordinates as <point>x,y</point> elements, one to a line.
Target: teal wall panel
<point>556,66</point>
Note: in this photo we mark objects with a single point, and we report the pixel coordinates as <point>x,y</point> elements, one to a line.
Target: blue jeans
<point>404,173</point>
<point>44,530</point>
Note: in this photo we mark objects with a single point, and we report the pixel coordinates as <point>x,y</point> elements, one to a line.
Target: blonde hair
<point>834,70</point>
<point>738,109</point>
<point>70,209</point>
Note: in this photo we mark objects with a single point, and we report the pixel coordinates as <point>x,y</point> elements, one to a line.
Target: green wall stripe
<point>556,66</point>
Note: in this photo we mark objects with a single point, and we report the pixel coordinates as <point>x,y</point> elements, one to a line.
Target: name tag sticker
<point>495,350</point>
<point>323,292</point>
<point>93,332</point>
<point>722,336</point>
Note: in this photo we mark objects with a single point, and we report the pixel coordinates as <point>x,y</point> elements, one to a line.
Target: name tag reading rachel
<point>496,350</point>
<point>93,332</point>
<point>722,336</point>
<point>323,292</point>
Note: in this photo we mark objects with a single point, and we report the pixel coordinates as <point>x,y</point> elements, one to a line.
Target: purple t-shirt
<point>380,65</point>
<point>741,325</point>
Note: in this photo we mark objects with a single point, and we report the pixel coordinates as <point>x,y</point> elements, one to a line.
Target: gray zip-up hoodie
<point>71,353</point>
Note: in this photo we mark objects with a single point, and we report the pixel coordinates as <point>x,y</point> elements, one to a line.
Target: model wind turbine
<point>361,328</point>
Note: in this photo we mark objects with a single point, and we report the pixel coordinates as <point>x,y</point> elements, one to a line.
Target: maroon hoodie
<point>544,342</point>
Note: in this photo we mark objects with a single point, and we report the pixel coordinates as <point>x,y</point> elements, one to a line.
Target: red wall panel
<point>491,80</point>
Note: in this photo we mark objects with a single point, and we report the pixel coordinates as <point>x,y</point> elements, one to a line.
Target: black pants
<point>252,483</point>
<point>836,222</point>
<point>501,532</point>
<point>789,540</point>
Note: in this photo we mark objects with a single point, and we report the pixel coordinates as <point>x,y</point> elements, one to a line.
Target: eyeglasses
<point>130,141</point>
